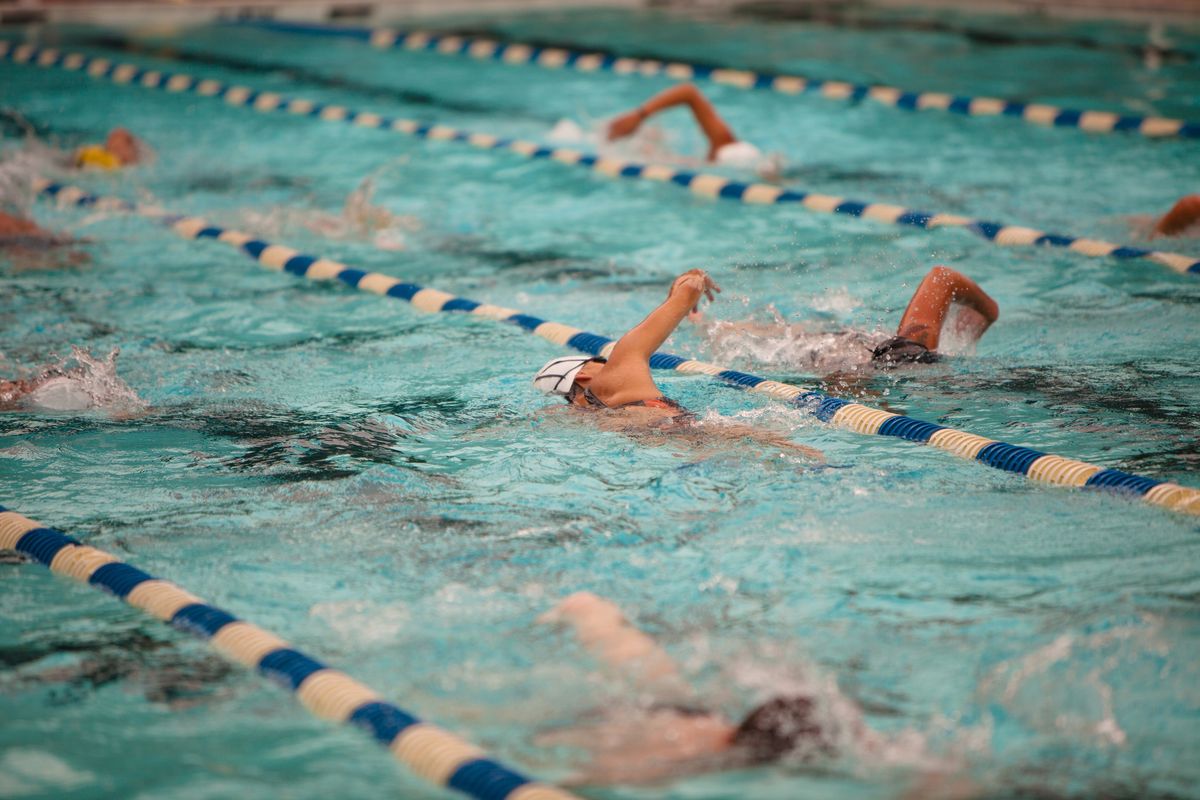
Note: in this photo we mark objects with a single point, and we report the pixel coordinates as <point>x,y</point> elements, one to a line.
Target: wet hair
<point>782,726</point>
<point>901,350</point>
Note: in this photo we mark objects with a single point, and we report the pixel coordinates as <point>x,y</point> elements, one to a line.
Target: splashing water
<point>1073,669</point>
<point>780,343</point>
<point>18,169</point>
<point>77,383</point>
<point>360,217</point>
<point>847,738</point>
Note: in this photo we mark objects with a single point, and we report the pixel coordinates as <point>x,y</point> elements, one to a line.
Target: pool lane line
<point>839,413</point>
<point>439,757</point>
<point>550,57</point>
<point>702,184</point>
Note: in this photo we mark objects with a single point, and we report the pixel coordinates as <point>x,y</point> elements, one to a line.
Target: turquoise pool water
<point>384,489</point>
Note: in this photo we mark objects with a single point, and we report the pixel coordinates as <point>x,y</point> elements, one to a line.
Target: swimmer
<point>28,246</point>
<point>77,383</point>
<point>12,393</point>
<point>724,148</point>
<point>676,734</point>
<point>621,386</point>
<point>120,149</point>
<point>920,330</point>
<point>50,391</point>
<point>917,336</point>
<point>1182,220</point>
<point>13,228</point>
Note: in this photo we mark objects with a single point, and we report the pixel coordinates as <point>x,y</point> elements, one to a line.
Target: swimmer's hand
<point>699,283</point>
<point>626,124</point>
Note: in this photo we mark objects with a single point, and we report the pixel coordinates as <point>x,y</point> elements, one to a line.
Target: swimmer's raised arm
<point>628,367</point>
<point>926,313</point>
<point>611,639</point>
<point>683,298</point>
<point>1183,215</point>
<point>715,129</point>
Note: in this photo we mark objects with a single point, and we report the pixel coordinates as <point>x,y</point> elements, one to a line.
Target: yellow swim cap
<point>95,156</point>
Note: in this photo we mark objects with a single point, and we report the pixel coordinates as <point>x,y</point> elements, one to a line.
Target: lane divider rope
<point>566,58</point>
<point>706,185</point>
<point>435,755</point>
<point>844,414</point>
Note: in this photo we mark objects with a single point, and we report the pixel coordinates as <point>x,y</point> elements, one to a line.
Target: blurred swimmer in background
<point>1182,220</point>
<point>27,246</point>
<point>120,149</point>
<point>724,148</point>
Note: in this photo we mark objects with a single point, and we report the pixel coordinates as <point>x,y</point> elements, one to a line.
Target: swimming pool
<point>381,487</point>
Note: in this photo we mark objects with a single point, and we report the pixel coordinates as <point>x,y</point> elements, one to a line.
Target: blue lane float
<point>435,755</point>
<point>565,57</point>
<point>845,414</point>
<point>706,185</point>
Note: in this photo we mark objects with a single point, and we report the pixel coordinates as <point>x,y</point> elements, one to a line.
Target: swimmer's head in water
<point>780,727</point>
<point>559,375</point>
<point>899,350</point>
<point>123,145</point>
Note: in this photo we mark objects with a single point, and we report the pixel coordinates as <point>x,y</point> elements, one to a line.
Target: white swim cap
<point>739,154</point>
<point>568,130</point>
<point>558,375</point>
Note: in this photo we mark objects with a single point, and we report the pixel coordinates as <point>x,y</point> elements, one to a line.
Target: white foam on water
<point>363,622</point>
<point>25,771</point>
<point>857,746</point>
<point>801,346</point>
<point>18,170</point>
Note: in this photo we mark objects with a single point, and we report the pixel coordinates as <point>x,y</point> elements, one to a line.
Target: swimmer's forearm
<point>683,94</point>
<point>612,639</point>
<point>645,338</point>
<point>926,312</point>
<point>972,295</point>
<point>714,127</point>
